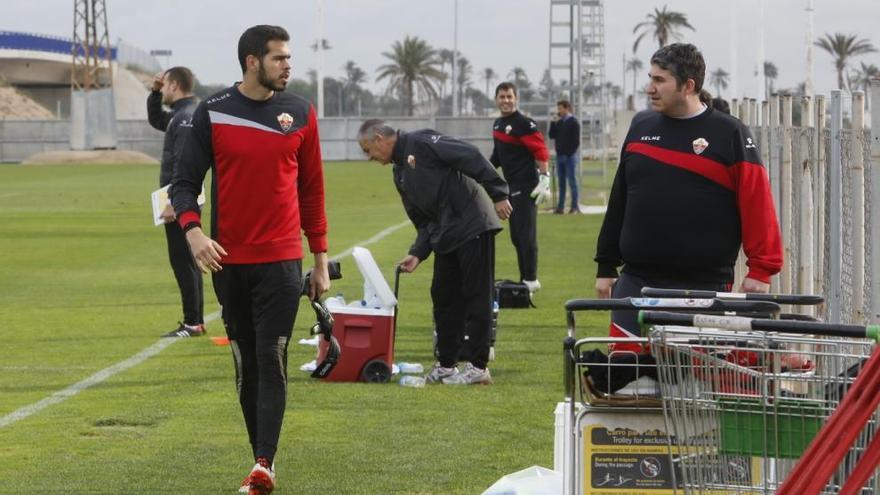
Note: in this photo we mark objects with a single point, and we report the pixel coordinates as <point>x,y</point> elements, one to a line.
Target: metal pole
<point>856,174</point>
<point>454,58</point>
<point>836,205</point>
<point>762,81</point>
<point>806,272</point>
<point>874,220</point>
<point>808,82</point>
<point>820,225</point>
<point>786,190</point>
<point>319,56</point>
<point>733,45</point>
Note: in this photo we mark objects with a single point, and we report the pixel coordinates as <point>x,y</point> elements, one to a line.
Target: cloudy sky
<point>500,34</point>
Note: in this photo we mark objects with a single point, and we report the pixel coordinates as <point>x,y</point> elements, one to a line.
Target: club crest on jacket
<point>411,161</point>
<point>700,145</point>
<point>285,121</point>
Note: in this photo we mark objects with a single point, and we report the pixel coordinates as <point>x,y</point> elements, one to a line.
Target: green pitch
<point>85,284</point>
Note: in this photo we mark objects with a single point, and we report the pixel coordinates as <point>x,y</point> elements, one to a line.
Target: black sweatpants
<point>625,323</point>
<point>524,232</point>
<point>187,274</point>
<point>260,303</point>
<point>462,292</point>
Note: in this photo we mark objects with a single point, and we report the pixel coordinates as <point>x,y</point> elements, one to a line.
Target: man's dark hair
<point>255,42</point>
<point>720,104</point>
<point>564,104</point>
<point>183,77</point>
<point>684,61</point>
<point>506,85</point>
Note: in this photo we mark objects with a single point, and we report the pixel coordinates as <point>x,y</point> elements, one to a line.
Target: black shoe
<point>185,331</point>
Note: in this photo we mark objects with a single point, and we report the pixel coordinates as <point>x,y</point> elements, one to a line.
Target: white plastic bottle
<point>412,381</point>
<point>411,368</point>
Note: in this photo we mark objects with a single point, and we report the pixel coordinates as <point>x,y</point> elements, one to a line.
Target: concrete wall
<point>20,139</point>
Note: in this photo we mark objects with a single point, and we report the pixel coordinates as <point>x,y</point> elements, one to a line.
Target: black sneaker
<point>185,331</point>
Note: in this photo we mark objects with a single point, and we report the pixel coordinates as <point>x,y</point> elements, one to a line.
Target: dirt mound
<point>16,106</point>
<point>102,157</point>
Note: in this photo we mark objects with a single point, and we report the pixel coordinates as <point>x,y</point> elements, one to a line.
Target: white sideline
<point>143,355</point>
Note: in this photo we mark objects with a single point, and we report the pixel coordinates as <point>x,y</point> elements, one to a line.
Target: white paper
<point>159,199</point>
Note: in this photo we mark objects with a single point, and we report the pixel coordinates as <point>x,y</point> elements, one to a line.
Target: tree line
<point>417,77</point>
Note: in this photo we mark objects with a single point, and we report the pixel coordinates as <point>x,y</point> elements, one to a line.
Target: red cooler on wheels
<point>365,328</point>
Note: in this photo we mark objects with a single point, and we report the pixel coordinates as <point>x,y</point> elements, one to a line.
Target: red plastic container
<point>366,339</point>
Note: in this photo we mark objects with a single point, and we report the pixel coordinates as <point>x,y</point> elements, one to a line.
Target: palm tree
<point>354,77</point>
<point>465,69</point>
<point>719,78</point>
<point>445,56</point>
<point>524,87</point>
<point>635,66</point>
<point>662,25</point>
<point>489,75</point>
<point>862,79</point>
<point>842,47</point>
<point>413,69</point>
<point>616,93</point>
<point>770,75</point>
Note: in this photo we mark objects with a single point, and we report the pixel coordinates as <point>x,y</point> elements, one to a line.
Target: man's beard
<point>267,83</point>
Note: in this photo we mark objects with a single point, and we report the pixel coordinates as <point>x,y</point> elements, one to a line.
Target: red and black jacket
<point>267,176</point>
<point>687,194</point>
<point>518,144</point>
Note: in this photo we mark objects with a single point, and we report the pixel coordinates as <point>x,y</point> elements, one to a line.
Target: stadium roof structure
<point>12,40</point>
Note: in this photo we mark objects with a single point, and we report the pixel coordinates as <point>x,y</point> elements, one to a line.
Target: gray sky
<point>499,34</point>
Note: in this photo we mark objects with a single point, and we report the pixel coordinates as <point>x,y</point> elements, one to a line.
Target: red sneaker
<point>261,481</point>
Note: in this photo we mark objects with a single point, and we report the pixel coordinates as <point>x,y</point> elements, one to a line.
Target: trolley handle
<point>740,323</point>
<point>796,299</point>
<point>678,304</point>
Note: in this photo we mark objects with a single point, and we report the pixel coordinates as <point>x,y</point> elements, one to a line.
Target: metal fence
<point>825,176</point>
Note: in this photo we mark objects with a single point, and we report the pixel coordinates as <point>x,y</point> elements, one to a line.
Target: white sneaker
<point>438,373</point>
<point>533,285</point>
<point>470,375</point>
<point>261,481</point>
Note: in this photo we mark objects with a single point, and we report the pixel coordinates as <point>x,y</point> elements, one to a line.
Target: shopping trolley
<point>596,411</point>
<point>751,403</point>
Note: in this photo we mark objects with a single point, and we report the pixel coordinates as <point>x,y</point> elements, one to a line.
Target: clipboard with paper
<point>160,200</point>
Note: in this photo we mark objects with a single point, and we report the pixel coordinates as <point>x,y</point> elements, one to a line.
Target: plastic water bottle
<point>412,381</point>
<point>414,368</point>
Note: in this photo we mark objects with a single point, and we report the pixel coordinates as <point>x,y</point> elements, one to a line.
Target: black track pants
<point>259,309</point>
<point>189,278</point>
<point>462,293</point>
<point>524,233</point>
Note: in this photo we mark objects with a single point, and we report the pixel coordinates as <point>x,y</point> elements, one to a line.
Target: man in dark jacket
<point>566,131</point>
<point>689,192</point>
<point>448,189</point>
<point>174,88</point>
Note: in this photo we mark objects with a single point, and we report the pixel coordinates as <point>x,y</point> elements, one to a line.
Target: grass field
<point>85,284</point>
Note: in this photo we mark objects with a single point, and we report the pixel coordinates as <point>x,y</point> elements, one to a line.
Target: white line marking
<point>142,356</point>
<point>376,238</point>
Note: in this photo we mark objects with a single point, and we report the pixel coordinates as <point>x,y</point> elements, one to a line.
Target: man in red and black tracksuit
<point>689,191</point>
<point>521,153</point>
<point>262,147</point>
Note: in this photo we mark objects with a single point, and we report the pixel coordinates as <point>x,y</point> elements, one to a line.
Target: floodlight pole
<point>808,81</point>
<point>733,54</point>
<point>455,59</point>
<point>762,80</point>
<point>319,56</point>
